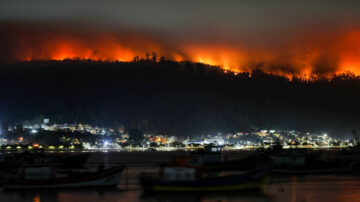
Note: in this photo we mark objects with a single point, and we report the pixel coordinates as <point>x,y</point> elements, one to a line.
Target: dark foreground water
<point>311,188</point>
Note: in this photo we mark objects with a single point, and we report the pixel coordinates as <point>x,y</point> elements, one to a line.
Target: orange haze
<point>300,56</point>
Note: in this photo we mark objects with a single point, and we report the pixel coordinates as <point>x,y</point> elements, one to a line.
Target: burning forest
<point>310,54</point>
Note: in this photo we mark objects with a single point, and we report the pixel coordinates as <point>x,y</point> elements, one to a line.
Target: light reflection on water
<point>294,189</point>
<point>314,188</point>
<point>117,195</point>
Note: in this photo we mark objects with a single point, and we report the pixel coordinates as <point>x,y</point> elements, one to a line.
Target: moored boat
<point>15,160</point>
<point>36,177</point>
<point>195,173</point>
<point>316,167</point>
<point>307,162</point>
<point>64,160</point>
<point>188,180</point>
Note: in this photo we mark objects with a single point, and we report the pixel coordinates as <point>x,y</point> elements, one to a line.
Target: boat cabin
<point>289,160</point>
<point>211,154</point>
<point>179,174</point>
<point>213,149</point>
<point>188,161</point>
<point>39,173</point>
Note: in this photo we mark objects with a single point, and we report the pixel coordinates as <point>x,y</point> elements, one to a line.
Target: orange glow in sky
<point>305,57</point>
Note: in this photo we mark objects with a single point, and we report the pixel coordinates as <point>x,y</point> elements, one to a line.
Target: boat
<point>9,162</point>
<point>15,160</point>
<point>210,157</point>
<point>182,179</point>
<point>49,177</point>
<point>251,162</point>
<point>316,167</point>
<point>306,162</point>
<point>64,160</point>
<point>192,174</point>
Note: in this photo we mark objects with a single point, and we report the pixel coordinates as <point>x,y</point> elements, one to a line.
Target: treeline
<point>176,98</point>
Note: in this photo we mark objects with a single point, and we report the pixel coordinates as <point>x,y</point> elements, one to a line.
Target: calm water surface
<point>311,188</point>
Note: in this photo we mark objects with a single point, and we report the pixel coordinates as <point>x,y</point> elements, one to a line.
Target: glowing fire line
<point>340,55</point>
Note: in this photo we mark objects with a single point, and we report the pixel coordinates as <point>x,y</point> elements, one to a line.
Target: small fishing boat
<point>187,179</point>
<point>251,162</point>
<point>192,174</point>
<point>45,176</point>
<point>15,160</point>
<point>316,167</point>
<point>307,162</point>
<point>9,162</point>
<point>210,158</point>
<point>64,160</point>
<point>293,157</point>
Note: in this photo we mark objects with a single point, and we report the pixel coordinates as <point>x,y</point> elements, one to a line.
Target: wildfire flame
<point>338,54</point>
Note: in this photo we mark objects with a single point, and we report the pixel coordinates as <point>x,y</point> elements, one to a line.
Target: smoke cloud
<point>308,53</point>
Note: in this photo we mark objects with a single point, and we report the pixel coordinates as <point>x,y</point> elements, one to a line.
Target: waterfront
<point>309,188</point>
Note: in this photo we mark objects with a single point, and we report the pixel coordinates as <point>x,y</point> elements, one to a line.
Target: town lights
<point>106,143</point>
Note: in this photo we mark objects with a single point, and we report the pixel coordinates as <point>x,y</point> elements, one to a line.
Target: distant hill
<point>176,98</point>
